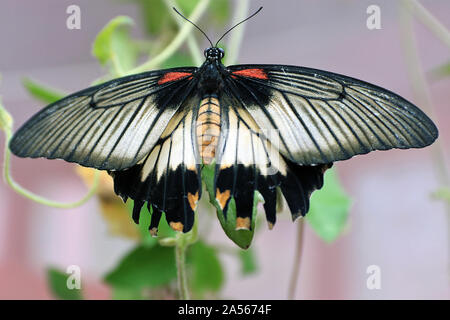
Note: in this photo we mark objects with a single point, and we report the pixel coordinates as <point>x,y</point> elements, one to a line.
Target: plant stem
<point>182,242</point>
<point>191,42</point>
<point>433,24</point>
<point>420,87</point>
<point>28,194</point>
<point>297,260</point>
<point>237,35</point>
<point>180,257</point>
<point>176,42</point>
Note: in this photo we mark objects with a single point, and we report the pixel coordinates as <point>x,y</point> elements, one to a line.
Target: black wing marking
<point>111,126</point>
<point>323,117</point>
<point>168,177</point>
<point>247,161</point>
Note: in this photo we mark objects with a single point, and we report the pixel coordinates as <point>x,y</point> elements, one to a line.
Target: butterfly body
<point>268,129</point>
<point>208,128</point>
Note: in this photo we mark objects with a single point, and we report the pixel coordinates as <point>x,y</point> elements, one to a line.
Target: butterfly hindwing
<point>247,161</point>
<point>323,117</point>
<point>168,177</point>
<point>111,126</point>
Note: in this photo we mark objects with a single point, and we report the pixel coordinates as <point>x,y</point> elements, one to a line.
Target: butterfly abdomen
<point>208,128</point>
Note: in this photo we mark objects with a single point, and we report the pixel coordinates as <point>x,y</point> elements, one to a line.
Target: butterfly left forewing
<point>168,178</point>
<point>110,126</point>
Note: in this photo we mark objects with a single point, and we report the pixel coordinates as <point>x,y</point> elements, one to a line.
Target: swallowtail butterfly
<point>155,131</point>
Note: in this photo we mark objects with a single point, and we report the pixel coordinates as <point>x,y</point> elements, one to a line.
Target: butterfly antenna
<point>194,25</point>
<point>257,11</point>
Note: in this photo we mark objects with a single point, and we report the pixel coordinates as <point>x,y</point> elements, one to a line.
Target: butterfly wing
<point>323,117</point>
<point>168,177</point>
<point>111,126</point>
<point>248,161</point>
<point>283,127</point>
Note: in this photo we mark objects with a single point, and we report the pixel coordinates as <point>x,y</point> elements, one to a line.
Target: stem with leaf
<point>6,123</point>
<point>175,44</point>
<point>297,260</point>
<point>236,37</point>
<point>191,42</point>
<point>181,242</point>
<point>433,24</point>
<point>180,256</point>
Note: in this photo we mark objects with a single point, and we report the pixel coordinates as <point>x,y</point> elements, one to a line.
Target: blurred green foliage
<point>442,193</point>
<point>57,282</point>
<point>442,71</point>
<point>41,92</point>
<point>6,121</point>
<point>206,269</point>
<point>144,267</point>
<point>157,20</point>
<point>113,46</point>
<point>248,262</point>
<point>329,208</point>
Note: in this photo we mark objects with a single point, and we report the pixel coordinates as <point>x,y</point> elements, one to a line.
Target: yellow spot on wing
<point>222,197</point>
<point>176,226</point>
<point>242,223</point>
<point>193,199</point>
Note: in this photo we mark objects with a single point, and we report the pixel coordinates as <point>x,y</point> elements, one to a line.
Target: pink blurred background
<point>394,223</point>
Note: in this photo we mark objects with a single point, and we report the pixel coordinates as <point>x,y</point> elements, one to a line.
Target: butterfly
<point>274,129</point>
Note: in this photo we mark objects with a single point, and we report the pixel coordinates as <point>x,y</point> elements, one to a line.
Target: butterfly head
<point>214,54</point>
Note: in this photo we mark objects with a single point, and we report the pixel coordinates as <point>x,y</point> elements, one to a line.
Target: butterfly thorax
<point>210,78</point>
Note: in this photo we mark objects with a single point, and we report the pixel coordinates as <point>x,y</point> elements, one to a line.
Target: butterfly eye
<point>221,53</point>
<point>206,53</point>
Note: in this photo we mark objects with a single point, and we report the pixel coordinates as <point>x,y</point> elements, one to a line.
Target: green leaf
<point>177,60</point>
<point>243,238</point>
<point>57,282</point>
<point>144,267</point>
<point>6,120</point>
<point>248,261</point>
<point>207,272</point>
<point>187,6</point>
<point>220,10</point>
<point>155,16</point>
<point>114,47</point>
<point>441,71</point>
<point>144,222</point>
<point>124,294</point>
<point>42,92</point>
<point>329,208</point>
<point>164,229</point>
<point>442,193</point>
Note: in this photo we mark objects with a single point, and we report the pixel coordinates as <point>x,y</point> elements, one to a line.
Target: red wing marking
<point>173,76</point>
<point>252,73</point>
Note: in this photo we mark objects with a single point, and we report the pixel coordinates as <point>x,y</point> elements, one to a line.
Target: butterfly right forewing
<point>323,117</point>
